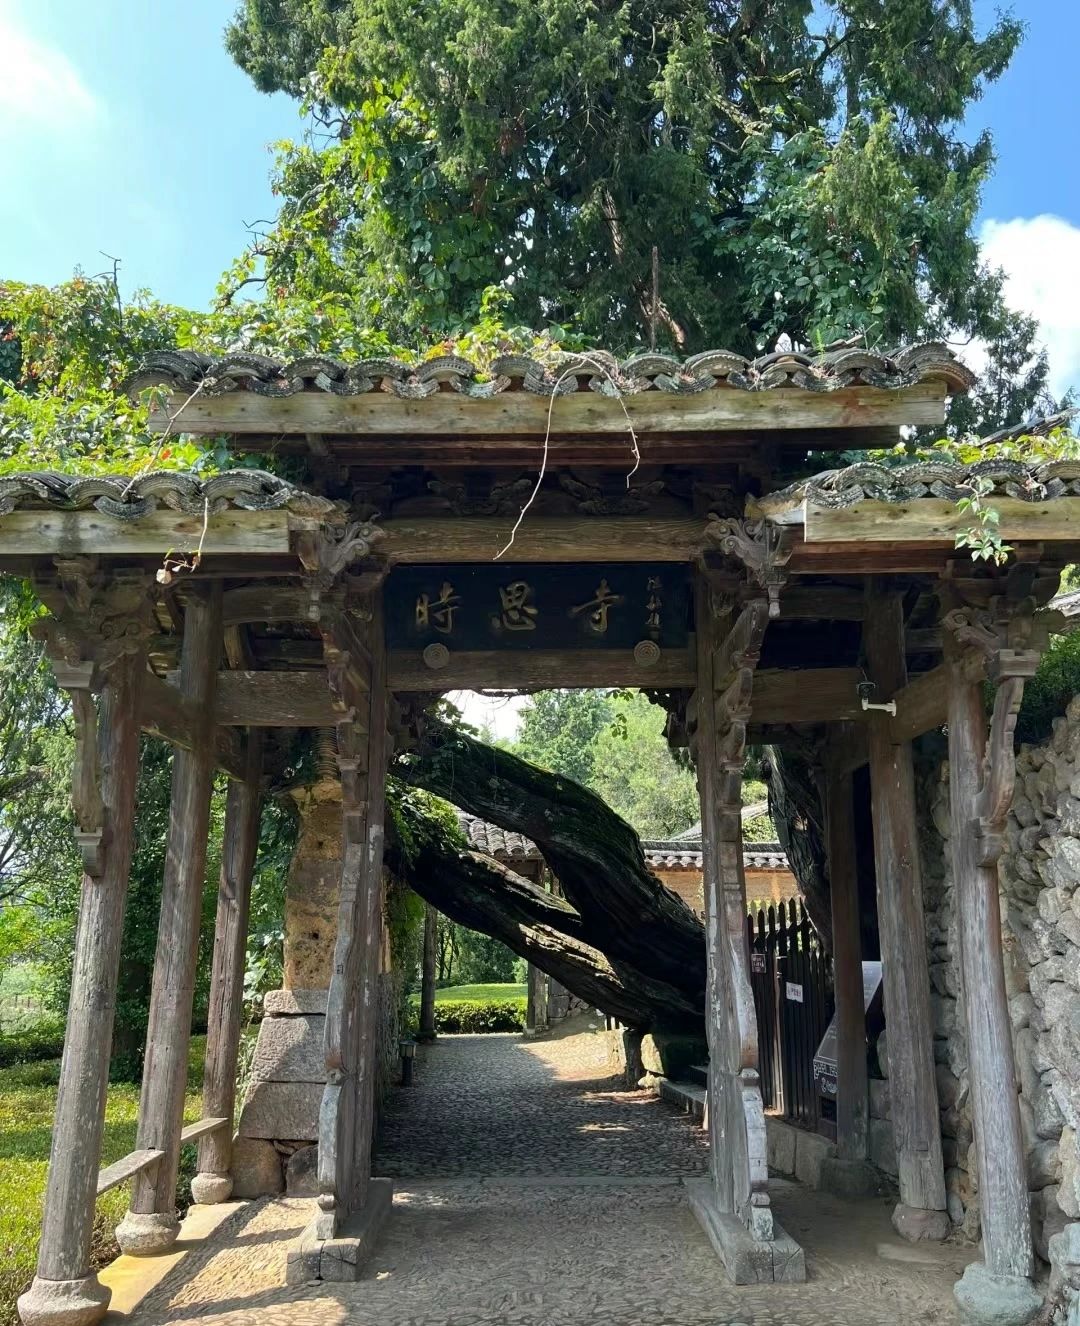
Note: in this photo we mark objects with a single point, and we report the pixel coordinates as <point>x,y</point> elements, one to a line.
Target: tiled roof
<point>127,498</point>
<point>186,370</point>
<point>835,489</point>
<point>660,853</point>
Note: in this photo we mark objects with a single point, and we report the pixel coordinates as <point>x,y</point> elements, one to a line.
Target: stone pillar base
<point>915,1223</point>
<point>747,1260</point>
<point>995,1300</point>
<point>141,1234</point>
<point>209,1188</point>
<point>340,1259</point>
<point>64,1302</point>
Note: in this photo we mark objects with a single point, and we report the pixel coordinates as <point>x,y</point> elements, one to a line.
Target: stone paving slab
<point>501,1229</point>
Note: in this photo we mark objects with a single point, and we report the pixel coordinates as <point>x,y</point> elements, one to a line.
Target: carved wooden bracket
<point>763,548</point>
<point>1011,636</point>
<point>328,553</point>
<point>95,622</point>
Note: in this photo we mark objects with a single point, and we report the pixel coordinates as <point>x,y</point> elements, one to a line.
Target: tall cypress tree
<point>800,169</point>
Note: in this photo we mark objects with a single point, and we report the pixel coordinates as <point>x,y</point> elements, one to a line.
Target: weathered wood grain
<point>449,540</point>
<point>112,1176</point>
<point>906,979</point>
<point>852,1103</point>
<point>1003,1188</point>
<point>205,1127</point>
<point>161,1103</point>
<point>78,1122</point>
<point>164,712</point>
<point>539,669</point>
<point>932,519</point>
<point>274,699</point>
<point>81,533</point>
<point>240,842</point>
<point>450,414</point>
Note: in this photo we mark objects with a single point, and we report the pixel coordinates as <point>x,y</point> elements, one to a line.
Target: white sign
<point>757,961</point>
<point>794,992</point>
<point>825,1059</point>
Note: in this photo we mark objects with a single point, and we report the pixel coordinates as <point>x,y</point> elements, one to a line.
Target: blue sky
<point>125,128</point>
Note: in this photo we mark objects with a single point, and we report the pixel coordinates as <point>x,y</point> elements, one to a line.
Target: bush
<point>1048,693</point>
<point>473,1016</point>
<point>43,1040</point>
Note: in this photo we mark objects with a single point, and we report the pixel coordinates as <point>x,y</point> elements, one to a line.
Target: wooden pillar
<point>213,1182</point>
<point>151,1223</point>
<point>65,1292</point>
<point>733,1205</point>
<point>351,1204</point>
<point>905,973</point>
<point>982,773</point>
<point>849,1173</point>
<point>427,973</point>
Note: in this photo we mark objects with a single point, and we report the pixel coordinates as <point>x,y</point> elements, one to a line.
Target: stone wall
<point>1040,913</point>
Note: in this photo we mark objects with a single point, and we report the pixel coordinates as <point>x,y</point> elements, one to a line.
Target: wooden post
<point>733,1205</point>
<point>849,1173</point>
<point>213,1182</point>
<point>65,1292</point>
<point>427,973</point>
<point>981,779</point>
<point>151,1223</point>
<point>905,973</point>
<point>536,1003</point>
<point>351,1204</point>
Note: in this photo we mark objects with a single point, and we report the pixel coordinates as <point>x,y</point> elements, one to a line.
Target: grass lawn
<point>27,1099</point>
<point>480,993</point>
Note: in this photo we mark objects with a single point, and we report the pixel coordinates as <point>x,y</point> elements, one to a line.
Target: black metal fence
<point>791,978</point>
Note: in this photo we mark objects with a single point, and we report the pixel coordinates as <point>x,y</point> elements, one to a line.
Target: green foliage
<point>499,991</point>
<point>27,1106</point>
<point>480,959</point>
<point>612,743</point>
<point>474,1016</point>
<point>1048,693</point>
<point>43,1040</point>
<point>802,175</point>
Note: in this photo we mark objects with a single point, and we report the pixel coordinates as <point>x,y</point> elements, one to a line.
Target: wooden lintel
<point>938,520</point>
<point>808,695</point>
<point>540,669</point>
<point>164,713</point>
<point>267,603</point>
<point>448,413</point>
<point>275,699</point>
<point>83,533</point>
<point>446,540</point>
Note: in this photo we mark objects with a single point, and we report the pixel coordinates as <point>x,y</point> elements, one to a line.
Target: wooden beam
<point>164,713</point>
<point>923,704</point>
<point>916,1125</point>
<point>267,603</point>
<point>275,699</point>
<point>449,414</point>
<point>88,533</point>
<point>809,695</point>
<point>445,541</point>
<point>937,520</point>
<point>539,669</point>
<point>191,1132</point>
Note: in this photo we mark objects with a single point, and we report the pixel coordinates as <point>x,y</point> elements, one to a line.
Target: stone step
<point>698,1073</point>
<point>686,1096</point>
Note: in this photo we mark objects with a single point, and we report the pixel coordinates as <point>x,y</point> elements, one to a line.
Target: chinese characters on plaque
<point>546,607</point>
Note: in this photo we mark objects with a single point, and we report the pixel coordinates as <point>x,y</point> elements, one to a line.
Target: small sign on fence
<point>757,962</point>
<point>794,992</point>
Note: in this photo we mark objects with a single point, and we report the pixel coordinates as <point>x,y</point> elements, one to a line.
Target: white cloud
<point>1041,259</point>
<point>39,86</point>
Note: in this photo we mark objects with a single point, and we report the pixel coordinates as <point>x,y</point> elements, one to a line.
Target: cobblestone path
<point>530,1191</point>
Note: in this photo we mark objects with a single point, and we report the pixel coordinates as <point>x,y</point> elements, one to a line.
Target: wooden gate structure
<point>224,614</point>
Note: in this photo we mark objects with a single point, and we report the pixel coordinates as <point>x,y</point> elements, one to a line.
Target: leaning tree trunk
<point>796,809</point>
<point>645,931</point>
<point>484,895</point>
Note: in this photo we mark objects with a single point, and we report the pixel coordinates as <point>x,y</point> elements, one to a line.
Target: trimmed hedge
<point>473,1016</point>
<point>44,1040</point>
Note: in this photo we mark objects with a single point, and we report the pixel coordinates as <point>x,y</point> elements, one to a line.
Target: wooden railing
<point>136,1162</point>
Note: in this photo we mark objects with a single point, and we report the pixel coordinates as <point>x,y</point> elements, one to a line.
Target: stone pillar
<point>151,1223</point>
<point>428,970</point>
<point>65,1292</point>
<point>213,1183</point>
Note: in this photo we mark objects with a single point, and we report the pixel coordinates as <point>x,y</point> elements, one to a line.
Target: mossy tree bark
<point>653,942</point>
